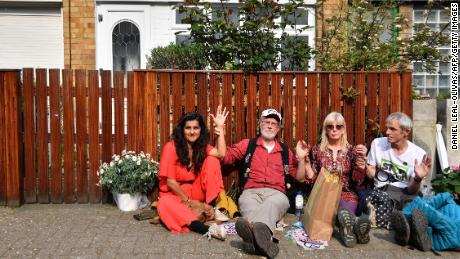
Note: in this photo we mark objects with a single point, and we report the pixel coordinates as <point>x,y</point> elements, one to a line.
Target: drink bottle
<point>298,205</point>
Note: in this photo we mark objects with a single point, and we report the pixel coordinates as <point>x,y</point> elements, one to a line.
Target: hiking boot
<point>401,227</point>
<point>244,230</point>
<point>361,228</point>
<point>263,239</point>
<point>216,232</point>
<point>345,222</point>
<point>419,231</point>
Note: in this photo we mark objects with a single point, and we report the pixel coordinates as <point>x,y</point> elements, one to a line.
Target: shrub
<point>177,56</point>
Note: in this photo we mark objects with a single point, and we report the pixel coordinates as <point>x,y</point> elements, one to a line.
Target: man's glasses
<point>331,127</point>
<point>270,123</point>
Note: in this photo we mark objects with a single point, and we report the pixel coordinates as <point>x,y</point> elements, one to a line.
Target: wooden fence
<point>57,126</point>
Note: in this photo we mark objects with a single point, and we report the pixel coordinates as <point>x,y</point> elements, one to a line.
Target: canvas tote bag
<point>321,208</point>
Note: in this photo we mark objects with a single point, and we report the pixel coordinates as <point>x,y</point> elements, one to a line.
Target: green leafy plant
<point>448,181</point>
<point>371,36</point>
<point>129,173</point>
<point>177,56</point>
<point>350,94</point>
<point>245,36</point>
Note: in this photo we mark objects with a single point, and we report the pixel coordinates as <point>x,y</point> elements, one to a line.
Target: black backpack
<point>290,184</point>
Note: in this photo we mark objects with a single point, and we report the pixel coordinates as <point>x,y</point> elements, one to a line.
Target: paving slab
<point>103,231</point>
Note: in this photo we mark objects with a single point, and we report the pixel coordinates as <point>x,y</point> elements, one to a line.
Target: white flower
<point>138,162</point>
<point>110,181</point>
<point>101,172</point>
<point>117,158</point>
<point>398,26</point>
<point>97,173</point>
<point>120,161</point>
<point>123,152</point>
<point>112,163</point>
<point>105,165</point>
<point>134,158</point>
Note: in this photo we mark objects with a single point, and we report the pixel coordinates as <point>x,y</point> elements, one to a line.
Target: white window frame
<point>434,89</point>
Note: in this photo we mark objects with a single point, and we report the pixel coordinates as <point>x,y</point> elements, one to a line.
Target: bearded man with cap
<point>263,201</point>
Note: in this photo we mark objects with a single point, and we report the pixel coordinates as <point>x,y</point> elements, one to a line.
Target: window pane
<point>419,16</point>
<point>444,16</point>
<point>300,17</point>
<point>232,14</point>
<point>444,81</point>
<point>418,67</point>
<point>419,81</point>
<point>444,67</point>
<point>183,38</point>
<point>125,47</point>
<point>431,81</point>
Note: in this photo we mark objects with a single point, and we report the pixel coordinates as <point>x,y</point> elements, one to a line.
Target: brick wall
<point>79,34</point>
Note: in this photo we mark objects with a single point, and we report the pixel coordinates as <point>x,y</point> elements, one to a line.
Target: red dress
<point>203,186</point>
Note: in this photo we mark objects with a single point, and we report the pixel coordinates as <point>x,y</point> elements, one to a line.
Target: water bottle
<point>298,205</point>
<point>427,191</point>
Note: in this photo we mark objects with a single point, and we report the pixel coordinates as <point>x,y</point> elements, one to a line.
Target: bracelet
<point>417,179</point>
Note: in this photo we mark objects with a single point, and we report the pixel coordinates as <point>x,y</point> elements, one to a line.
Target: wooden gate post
<point>10,174</point>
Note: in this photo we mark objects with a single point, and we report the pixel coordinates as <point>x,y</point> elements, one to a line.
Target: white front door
<point>122,35</point>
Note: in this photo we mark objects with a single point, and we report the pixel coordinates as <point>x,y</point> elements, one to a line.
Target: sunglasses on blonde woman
<point>331,127</point>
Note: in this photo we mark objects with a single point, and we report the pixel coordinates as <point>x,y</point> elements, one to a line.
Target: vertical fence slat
<point>360,108</point>
<point>213,100</point>
<point>93,140</point>
<point>12,138</point>
<point>383,98</point>
<point>348,107</point>
<point>81,129</point>
<point>55,120</point>
<point>288,111</point>
<point>336,94</point>
<point>263,91</point>
<point>190,92</point>
<point>67,98</point>
<point>406,93</point>
<point>42,131</point>
<point>3,169</point>
<point>324,95</point>
<point>177,96</point>
<point>165,123</point>
<point>251,129</point>
<point>371,106</point>
<point>395,96</point>
<point>300,105</point>
<point>106,85</point>
<point>150,104</point>
<point>141,112</point>
<point>131,112</point>
<point>227,103</point>
<point>276,91</point>
<point>30,195</point>
<point>239,107</point>
<point>119,110</point>
<point>312,111</point>
<point>202,96</point>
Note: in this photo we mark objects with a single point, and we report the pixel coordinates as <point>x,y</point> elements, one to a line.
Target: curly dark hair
<point>199,147</point>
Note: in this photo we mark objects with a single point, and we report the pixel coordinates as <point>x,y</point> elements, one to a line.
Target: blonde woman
<point>335,154</point>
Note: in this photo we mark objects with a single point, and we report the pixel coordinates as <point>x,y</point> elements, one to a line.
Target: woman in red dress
<point>190,174</point>
<point>335,154</point>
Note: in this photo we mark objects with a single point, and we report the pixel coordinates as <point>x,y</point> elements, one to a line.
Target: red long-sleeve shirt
<point>266,169</point>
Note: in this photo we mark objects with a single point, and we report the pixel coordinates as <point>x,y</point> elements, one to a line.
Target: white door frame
<point>107,17</point>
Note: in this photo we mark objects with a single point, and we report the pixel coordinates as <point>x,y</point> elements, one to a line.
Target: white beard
<point>268,135</point>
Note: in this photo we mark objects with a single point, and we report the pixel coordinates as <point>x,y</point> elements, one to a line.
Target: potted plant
<point>448,181</point>
<point>129,177</point>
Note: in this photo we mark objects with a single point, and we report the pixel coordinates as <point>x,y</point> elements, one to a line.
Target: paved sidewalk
<point>102,231</point>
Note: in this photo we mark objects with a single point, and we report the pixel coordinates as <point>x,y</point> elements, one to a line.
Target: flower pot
<point>127,202</point>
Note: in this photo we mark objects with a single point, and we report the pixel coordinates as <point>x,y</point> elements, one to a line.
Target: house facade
<point>118,35</point>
